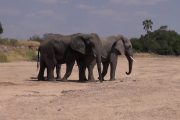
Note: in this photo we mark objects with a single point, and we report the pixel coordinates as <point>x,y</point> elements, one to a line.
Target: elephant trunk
<point>97,54</point>
<point>98,60</point>
<point>130,61</point>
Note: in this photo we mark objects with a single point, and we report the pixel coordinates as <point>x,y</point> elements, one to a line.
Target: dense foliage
<point>161,41</point>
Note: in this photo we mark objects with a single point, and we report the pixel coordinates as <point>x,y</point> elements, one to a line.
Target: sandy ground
<point>151,92</point>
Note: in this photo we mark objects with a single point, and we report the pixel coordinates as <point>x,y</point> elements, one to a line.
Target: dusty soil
<point>151,92</point>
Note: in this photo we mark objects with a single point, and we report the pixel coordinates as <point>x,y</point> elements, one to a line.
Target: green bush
<point>137,45</point>
<point>161,42</point>
<point>177,47</point>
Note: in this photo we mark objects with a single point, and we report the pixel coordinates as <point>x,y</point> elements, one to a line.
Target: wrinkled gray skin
<point>112,47</point>
<point>52,36</point>
<point>61,49</point>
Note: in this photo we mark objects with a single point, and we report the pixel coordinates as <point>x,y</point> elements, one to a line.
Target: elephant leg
<point>90,74</point>
<point>69,67</point>
<point>41,71</point>
<point>82,76</point>
<point>82,68</point>
<point>113,64</point>
<point>105,69</point>
<point>50,73</point>
<point>58,71</point>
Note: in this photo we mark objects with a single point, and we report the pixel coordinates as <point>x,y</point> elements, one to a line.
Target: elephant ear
<point>78,45</point>
<point>105,48</point>
<point>119,46</point>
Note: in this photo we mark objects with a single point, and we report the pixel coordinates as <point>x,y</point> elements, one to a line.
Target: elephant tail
<point>38,58</point>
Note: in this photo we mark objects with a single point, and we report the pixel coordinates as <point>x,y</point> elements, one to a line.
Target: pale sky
<point>22,19</point>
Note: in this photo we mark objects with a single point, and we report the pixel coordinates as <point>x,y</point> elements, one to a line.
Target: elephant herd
<point>86,50</point>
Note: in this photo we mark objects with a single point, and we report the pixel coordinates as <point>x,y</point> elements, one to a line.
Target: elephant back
<point>49,36</point>
<point>107,44</point>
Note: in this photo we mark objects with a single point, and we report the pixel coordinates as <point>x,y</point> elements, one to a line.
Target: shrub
<point>161,42</point>
<point>30,55</point>
<point>177,47</point>
<point>9,42</point>
<point>27,54</point>
<point>137,45</point>
<point>3,58</point>
<point>18,54</point>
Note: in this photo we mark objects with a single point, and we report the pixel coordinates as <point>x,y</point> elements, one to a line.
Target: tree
<point>163,27</point>
<point>1,29</point>
<point>147,25</point>
<point>160,41</point>
<point>35,38</point>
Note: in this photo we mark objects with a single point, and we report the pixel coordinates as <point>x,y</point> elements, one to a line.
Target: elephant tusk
<point>132,58</point>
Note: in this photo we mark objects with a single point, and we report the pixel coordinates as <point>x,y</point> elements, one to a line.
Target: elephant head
<point>84,42</point>
<point>124,47</point>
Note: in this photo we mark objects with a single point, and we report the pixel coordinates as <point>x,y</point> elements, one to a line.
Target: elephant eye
<point>129,47</point>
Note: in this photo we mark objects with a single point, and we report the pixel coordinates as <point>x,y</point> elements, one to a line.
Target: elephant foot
<point>41,78</point>
<point>83,80</point>
<point>91,80</point>
<point>58,78</point>
<point>51,79</point>
<point>102,79</point>
<point>64,80</point>
<point>112,79</point>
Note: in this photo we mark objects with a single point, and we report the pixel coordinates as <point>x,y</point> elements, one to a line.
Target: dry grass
<point>28,43</point>
<point>18,55</point>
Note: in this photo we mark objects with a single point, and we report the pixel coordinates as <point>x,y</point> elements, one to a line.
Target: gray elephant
<point>112,47</point>
<point>60,49</point>
<point>1,28</point>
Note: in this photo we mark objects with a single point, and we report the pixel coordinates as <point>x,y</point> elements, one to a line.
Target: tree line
<point>161,41</point>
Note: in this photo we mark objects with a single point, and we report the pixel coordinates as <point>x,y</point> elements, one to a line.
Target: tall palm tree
<point>1,29</point>
<point>147,25</point>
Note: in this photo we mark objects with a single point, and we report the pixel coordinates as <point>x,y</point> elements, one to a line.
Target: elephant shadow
<point>35,79</point>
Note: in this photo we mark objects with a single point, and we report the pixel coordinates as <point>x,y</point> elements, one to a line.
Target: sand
<point>151,92</point>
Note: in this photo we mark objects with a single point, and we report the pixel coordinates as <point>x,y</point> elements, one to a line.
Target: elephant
<point>66,49</point>
<point>1,28</point>
<point>113,46</point>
